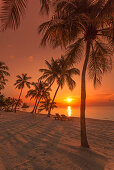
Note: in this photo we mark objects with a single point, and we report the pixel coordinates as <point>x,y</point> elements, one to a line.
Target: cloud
<point>31,58</point>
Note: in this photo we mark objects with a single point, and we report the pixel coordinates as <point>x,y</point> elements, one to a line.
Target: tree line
<point>57,71</point>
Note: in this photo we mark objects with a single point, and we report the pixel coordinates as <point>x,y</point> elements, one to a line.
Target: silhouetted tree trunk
<point>53,100</point>
<point>84,142</point>
<point>18,99</point>
<point>35,105</point>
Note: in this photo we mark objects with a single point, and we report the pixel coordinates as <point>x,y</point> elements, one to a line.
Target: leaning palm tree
<point>20,84</point>
<point>88,27</point>
<point>34,94</point>
<point>43,93</point>
<point>45,105</point>
<point>65,73</point>
<point>3,72</point>
<point>39,92</point>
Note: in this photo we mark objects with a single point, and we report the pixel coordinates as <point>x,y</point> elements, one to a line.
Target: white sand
<point>42,143</point>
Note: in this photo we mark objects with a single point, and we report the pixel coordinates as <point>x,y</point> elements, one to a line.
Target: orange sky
<point>21,51</point>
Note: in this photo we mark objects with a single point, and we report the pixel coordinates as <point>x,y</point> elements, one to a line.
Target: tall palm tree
<point>45,105</point>
<point>88,27</point>
<point>3,72</point>
<point>20,84</point>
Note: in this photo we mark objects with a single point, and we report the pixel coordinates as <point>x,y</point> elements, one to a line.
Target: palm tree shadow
<point>85,159</point>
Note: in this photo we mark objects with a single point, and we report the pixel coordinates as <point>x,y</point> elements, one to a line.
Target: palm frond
<point>100,62</point>
<point>12,11</point>
<point>45,6</point>
<point>70,82</point>
<point>74,51</point>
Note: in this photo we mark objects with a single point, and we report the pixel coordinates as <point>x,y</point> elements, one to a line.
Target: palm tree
<point>45,105</point>
<point>39,92</point>
<point>34,94</point>
<point>58,71</point>
<point>20,84</point>
<point>3,73</point>
<point>43,92</point>
<point>66,73</point>
<point>86,26</point>
<point>50,74</point>
<point>2,101</point>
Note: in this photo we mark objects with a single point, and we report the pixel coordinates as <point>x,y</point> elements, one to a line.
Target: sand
<point>30,142</point>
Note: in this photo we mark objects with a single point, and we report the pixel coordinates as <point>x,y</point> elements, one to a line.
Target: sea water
<point>94,112</point>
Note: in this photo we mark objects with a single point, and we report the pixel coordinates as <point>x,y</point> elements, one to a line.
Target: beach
<point>37,142</point>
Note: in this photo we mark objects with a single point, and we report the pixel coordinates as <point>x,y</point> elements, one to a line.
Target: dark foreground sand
<point>30,142</point>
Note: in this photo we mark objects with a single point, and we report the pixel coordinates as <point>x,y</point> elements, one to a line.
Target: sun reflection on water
<point>69,110</point>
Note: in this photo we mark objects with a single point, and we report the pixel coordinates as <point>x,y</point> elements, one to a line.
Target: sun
<point>69,100</point>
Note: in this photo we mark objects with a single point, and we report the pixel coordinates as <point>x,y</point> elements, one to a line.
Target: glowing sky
<point>22,52</point>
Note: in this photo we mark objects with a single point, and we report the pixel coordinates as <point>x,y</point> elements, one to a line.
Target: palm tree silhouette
<point>3,73</point>
<point>20,84</point>
<point>58,71</point>
<point>51,73</point>
<point>45,105</point>
<point>44,92</point>
<point>34,94</point>
<point>39,92</point>
<point>85,25</point>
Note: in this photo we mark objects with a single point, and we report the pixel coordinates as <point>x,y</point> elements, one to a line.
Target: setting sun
<point>69,100</point>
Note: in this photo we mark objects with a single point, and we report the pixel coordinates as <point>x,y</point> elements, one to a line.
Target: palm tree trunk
<point>18,99</point>
<point>37,104</point>
<point>84,142</point>
<point>34,105</point>
<point>53,100</point>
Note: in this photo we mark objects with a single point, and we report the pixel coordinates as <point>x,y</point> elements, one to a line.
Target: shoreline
<point>38,142</point>
<point>73,117</point>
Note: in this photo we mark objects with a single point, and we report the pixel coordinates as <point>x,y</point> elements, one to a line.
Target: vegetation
<point>20,84</point>
<point>8,104</point>
<point>46,104</point>
<point>82,24</point>
<point>3,72</point>
<point>40,92</point>
<point>11,14</point>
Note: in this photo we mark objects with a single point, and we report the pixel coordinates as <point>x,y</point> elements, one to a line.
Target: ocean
<point>94,112</point>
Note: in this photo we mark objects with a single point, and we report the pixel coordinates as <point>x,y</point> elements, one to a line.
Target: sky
<point>22,53</point>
